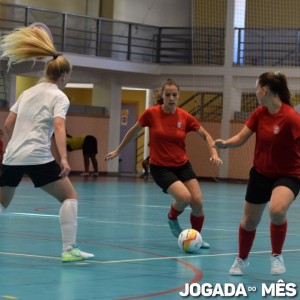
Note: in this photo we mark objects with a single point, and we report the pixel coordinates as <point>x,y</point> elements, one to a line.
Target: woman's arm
<point>214,157</point>
<point>131,133</point>
<point>60,140</point>
<point>9,124</point>
<point>236,141</point>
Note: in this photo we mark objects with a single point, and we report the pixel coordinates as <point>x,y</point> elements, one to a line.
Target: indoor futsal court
<point>122,221</point>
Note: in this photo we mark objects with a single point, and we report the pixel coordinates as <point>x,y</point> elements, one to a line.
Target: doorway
<point>127,158</point>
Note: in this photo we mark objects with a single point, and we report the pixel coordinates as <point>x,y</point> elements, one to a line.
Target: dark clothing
<point>39,174</point>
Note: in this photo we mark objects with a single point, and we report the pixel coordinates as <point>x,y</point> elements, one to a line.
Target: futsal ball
<point>190,240</point>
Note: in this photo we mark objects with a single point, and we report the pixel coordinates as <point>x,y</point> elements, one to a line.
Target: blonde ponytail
<point>33,43</point>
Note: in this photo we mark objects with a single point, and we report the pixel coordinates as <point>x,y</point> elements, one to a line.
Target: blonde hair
<point>33,43</point>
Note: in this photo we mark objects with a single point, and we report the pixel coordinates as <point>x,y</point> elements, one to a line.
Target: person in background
<point>89,146</point>
<point>275,175</point>
<point>39,112</point>
<point>145,165</point>
<point>169,163</point>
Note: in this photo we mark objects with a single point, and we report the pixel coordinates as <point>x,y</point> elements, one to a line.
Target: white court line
<point>124,223</point>
<point>107,222</point>
<point>140,259</point>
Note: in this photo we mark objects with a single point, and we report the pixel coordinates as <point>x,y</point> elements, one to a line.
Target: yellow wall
<point>273,14</point>
<point>137,97</point>
<point>23,83</point>
<point>210,13</point>
<point>76,96</point>
<point>79,96</point>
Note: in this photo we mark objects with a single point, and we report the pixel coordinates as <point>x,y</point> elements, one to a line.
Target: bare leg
<point>6,195</point>
<point>94,162</point>
<point>86,162</point>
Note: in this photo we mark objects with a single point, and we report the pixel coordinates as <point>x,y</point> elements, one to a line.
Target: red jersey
<point>277,148</point>
<point>167,135</point>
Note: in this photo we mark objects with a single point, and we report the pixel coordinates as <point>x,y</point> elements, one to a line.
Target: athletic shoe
<point>174,226</point>
<point>95,174</point>
<point>237,269</point>
<point>84,174</point>
<point>76,255</point>
<point>277,265</point>
<point>205,245</point>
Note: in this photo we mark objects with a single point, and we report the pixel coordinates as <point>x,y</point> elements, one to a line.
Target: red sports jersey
<point>168,134</point>
<point>277,148</point>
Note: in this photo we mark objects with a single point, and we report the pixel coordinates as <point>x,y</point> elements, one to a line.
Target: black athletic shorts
<point>39,174</point>
<point>260,187</point>
<point>165,176</point>
<point>90,145</point>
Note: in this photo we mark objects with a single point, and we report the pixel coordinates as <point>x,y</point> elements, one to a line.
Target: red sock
<point>173,213</point>
<point>197,222</point>
<point>278,234</point>
<point>246,239</point>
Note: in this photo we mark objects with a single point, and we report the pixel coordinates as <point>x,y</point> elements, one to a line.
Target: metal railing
<point>104,38</point>
<point>152,44</point>
<point>268,47</point>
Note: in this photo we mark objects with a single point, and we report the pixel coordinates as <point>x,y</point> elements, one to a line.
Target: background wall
<point>151,12</point>
<point>272,14</point>
<point>76,7</point>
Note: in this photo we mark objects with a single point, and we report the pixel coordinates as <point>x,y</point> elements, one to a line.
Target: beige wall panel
<point>273,14</point>
<point>70,6</point>
<point>209,13</point>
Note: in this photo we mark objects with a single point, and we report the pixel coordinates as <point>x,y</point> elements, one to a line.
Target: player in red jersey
<point>169,163</point>
<point>275,175</point>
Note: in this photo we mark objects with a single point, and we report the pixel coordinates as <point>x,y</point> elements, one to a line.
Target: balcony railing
<point>152,44</point>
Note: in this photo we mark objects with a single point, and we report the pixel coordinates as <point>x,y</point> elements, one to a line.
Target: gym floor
<point>122,221</point>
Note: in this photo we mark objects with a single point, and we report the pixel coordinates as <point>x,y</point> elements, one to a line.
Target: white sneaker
<point>277,265</point>
<point>84,174</point>
<point>86,255</point>
<point>237,269</point>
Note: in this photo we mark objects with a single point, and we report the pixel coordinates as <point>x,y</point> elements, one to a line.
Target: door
<point>127,157</point>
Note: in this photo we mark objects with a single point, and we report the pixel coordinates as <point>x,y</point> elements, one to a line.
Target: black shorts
<point>165,176</point>
<point>90,145</point>
<point>39,174</point>
<point>260,187</point>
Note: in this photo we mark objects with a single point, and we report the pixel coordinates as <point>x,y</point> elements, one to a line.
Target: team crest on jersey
<point>179,124</point>
<point>276,129</point>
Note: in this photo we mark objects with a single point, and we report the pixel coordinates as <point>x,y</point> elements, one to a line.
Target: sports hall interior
<point>133,52</point>
<point>121,52</point>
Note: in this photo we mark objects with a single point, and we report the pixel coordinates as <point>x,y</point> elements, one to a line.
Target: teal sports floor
<point>122,221</point>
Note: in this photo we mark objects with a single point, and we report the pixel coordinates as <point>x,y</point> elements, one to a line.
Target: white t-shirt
<point>36,108</point>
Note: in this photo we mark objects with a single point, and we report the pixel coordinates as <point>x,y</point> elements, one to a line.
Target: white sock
<point>68,222</point>
<point>2,208</point>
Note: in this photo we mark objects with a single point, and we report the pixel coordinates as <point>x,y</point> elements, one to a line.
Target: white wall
<point>154,12</point>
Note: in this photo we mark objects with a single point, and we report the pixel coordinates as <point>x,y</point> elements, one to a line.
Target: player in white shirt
<point>39,112</point>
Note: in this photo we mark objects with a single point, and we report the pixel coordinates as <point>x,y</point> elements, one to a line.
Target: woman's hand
<point>111,155</point>
<point>221,144</point>
<point>216,160</point>
<point>65,168</point>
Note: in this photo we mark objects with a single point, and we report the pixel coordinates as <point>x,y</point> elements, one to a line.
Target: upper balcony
<point>124,41</point>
